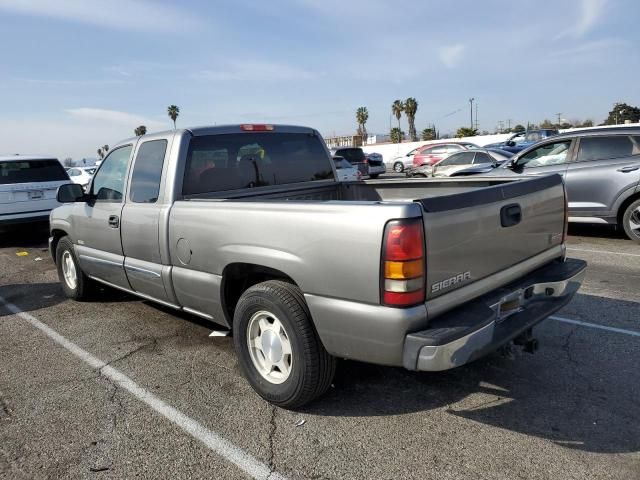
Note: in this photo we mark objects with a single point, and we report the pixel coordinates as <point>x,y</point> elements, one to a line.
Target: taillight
<point>402,270</point>
<point>256,127</point>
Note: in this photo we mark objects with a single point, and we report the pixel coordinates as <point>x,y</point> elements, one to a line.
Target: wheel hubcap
<point>634,221</point>
<point>398,168</point>
<point>269,347</point>
<point>69,270</point>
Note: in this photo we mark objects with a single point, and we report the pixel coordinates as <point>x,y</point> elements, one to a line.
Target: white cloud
<point>451,55</point>
<point>136,15</point>
<point>591,11</point>
<point>257,71</point>
<point>100,115</point>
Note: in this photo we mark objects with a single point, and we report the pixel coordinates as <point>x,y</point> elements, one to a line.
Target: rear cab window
<point>351,155</point>
<point>29,171</point>
<point>234,161</point>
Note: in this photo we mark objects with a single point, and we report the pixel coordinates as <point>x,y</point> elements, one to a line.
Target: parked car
<point>356,157</point>
<point>345,171</point>
<point>434,153</point>
<point>249,240</point>
<point>601,170</point>
<point>404,162</point>
<point>521,140</point>
<point>469,158</point>
<point>79,175</point>
<point>28,187</point>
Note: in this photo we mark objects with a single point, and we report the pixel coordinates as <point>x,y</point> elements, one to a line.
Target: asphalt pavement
<point>121,388</point>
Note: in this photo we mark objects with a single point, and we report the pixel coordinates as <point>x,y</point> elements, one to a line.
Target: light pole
<point>471,111</point>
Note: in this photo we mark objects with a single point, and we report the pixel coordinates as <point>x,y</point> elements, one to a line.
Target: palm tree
<point>100,154</point>
<point>410,109</point>
<point>105,149</point>
<point>173,111</point>
<point>397,108</point>
<point>362,115</point>
<point>141,130</point>
<point>396,135</point>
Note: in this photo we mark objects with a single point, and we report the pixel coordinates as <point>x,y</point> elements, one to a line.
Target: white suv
<point>28,187</point>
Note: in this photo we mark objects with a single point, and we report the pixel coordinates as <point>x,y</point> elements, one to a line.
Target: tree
<point>397,108</point>
<point>362,115</point>
<point>622,112</point>
<point>100,153</point>
<point>466,132</point>
<point>547,124</point>
<point>428,134</point>
<point>68,162</point>
<point>141,130</point>
<point>173,111</point>
<point>397,135</point>
<point>410,109</point>
<point>585,124</point>
<point>518,128</point>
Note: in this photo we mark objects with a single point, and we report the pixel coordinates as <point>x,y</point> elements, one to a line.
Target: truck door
<point>605,167</point>
<point>141,217</point>
<point>97,224</point>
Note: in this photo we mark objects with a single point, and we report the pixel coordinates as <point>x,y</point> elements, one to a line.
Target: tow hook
<point>526,340</point>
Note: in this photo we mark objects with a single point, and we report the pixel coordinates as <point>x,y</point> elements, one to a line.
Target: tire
<point>375,175</point>
<point>631,221</point>
<point>307,371</point>
<point>398,167</point>
<point>68,268</point>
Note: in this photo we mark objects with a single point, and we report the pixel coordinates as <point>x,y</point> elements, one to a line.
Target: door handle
<point>114,221</point>
<point>630,168</point>
<point>510,215</point>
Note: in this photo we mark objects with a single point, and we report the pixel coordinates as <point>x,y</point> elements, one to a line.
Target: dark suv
<point>601,170</point>
<point>356,157</point>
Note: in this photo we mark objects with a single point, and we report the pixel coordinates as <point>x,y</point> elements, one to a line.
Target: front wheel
<point>75,284</point>
<point>631,221</point>
<point>398,167</point>
<point>277,346</point>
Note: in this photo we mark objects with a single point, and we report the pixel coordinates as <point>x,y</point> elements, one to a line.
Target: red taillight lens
<point>256,127</point>
<point>402,269</point>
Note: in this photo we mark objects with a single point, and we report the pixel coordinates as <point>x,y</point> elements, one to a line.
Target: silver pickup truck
<point>246,226</point>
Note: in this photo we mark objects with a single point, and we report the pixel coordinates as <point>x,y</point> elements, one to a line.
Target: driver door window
<point>549,154</point>
<point>108,183</point>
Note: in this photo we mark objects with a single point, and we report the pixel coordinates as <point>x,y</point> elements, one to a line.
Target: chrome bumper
<point>483,325</point>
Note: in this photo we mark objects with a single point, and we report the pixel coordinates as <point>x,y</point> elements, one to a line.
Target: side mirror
<point>511,143</point>
<point>70,192</point>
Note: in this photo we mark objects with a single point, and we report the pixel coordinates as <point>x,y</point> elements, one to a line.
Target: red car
<point>433,153</point>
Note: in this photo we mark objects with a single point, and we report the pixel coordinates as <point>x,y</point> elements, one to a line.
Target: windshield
<point>246,160</point>
<point>27,171</point>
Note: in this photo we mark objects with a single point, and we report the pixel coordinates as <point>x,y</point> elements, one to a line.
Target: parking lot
<point>119,388</point>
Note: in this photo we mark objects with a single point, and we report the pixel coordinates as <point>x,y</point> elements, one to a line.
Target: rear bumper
<point>377,169</point>
<point>25,217</point>
<point>477,327</point>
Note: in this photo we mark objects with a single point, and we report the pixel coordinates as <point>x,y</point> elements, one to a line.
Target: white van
<point>28,187</point>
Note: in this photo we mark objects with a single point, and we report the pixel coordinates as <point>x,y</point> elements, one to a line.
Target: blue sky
<point>76,74</point>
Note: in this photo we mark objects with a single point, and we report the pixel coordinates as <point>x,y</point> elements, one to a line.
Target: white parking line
<point>245,461</point>
<point>595,325</point>
<point>603,251</point>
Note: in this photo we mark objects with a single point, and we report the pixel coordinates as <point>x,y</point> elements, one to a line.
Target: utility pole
<point>559,117</point>
<point>471,111</point>
<point>509,124</point>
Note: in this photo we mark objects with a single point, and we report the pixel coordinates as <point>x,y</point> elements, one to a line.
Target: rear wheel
<point>277,346</point>
<point>631,221</point>
<point>75,283</point>
<point>398,167</point>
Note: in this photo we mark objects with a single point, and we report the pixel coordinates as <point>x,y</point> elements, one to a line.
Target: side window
<point>548,154</point>
<point>108,183</point>
<point>147,170</point>
<point>454,148</point>
<point>435,150</point>
<point>482,158</point>
<point>463,158</point>
<point>601,148</point>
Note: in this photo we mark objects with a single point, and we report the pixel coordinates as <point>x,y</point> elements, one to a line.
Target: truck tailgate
<point>471,235</point>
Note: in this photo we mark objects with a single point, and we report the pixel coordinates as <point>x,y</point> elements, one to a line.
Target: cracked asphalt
<point>572,410</point>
